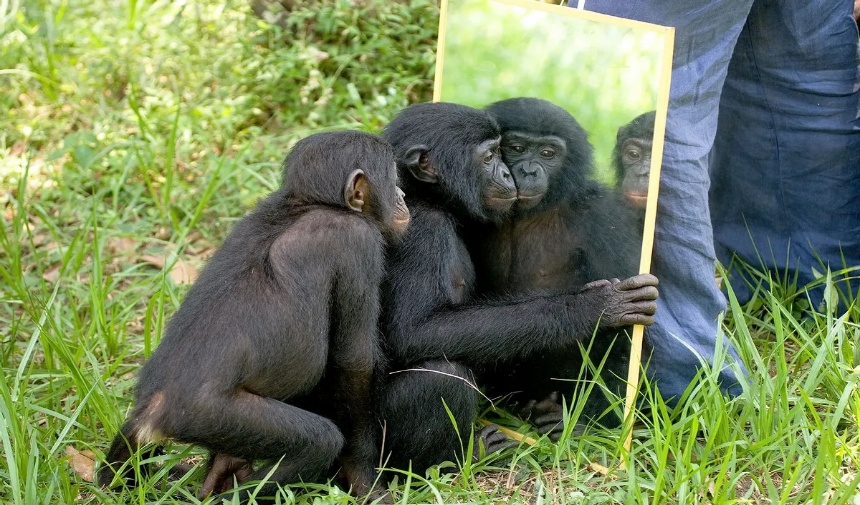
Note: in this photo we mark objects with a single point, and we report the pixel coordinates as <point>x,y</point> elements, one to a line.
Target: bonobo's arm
<point>354,346</point>
<point>614,242</point>
<point>424,323</point>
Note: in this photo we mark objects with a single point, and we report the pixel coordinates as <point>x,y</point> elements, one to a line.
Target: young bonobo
<point>631,160</point>
<point>437,331</point>
<point>565,231</point>
<point>280,330</point>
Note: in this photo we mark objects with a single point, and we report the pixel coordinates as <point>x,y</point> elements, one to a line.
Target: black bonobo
<point>566,232</point>
<point>631,160</point>
<point>271,354</point>
<point>438,336</point>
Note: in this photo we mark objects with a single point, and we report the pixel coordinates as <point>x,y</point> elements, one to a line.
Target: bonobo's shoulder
<point>323,227</point>
<point>429,217</point>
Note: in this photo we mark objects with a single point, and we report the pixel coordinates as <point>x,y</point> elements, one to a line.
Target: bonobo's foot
<point>547,416</point>
<point>222,469</point>
<point>631,301</point>
<point>360,479</point>
<point>489,440</point>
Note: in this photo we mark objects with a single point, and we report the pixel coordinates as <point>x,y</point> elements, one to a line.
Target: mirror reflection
<point>604,73</point>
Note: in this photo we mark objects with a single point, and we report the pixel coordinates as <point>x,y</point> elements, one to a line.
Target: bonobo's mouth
<point>529,198</point>
<point>526,201</point>
<point>636,199</point>
<point>497,203</point>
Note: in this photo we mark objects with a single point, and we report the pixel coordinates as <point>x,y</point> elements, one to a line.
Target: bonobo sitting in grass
<point>271,354</point>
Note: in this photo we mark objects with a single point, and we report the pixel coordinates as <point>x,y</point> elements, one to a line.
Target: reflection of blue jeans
<point>786,161</point>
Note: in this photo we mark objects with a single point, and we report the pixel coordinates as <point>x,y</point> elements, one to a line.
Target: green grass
<point>133,134</point>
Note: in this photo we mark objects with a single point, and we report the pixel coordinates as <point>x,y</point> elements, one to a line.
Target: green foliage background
<point>605,74</point>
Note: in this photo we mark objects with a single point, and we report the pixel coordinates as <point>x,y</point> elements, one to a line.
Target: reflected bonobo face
<point>533,160</point>
<point>499,191</point>
<point>400,216</point>
<point>636,163</point>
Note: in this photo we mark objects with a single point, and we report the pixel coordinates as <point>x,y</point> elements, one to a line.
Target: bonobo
<point>565,232</point>
<point>438,336</point>
<point>631,159</point>
<point>279,333</point>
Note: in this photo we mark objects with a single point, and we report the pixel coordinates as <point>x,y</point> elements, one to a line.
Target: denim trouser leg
<point>785,169</point>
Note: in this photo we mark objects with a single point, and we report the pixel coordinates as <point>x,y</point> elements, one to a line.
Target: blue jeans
<point>785,166</point>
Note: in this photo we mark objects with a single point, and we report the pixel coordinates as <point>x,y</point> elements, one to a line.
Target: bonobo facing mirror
<point>631,159</point>
<point>567,232</point>
<point>270,355</point>
<point>439,334</point>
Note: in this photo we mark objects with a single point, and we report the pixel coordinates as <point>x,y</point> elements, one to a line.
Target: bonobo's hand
<point>546,415</point>
<point>631,301</point>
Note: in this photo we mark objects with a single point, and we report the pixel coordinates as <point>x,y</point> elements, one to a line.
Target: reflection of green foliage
<point>604,74</point>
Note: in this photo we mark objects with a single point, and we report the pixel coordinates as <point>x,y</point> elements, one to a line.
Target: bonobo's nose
<point>529,168</point>
<point>400,193</point>
<point>507,178</point>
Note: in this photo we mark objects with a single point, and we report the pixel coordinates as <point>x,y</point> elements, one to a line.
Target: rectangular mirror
<point>612,75</point>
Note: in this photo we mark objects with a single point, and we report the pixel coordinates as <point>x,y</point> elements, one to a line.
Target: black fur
<point>279,333</point>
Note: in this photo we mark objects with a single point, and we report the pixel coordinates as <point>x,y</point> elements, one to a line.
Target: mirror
<point>611,74</point>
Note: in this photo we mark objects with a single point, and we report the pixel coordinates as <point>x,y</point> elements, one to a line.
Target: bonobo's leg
<point>417,426</point>
<point>124,444</point>
<point>301,444</point>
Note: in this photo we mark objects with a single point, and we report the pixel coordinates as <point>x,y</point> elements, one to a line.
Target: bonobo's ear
<point>356,191</point>
<point>417,160</point>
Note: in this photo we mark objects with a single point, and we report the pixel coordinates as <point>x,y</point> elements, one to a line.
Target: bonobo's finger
<point>645,293</point>
<point>551,403</point>
<point>597,284</point>
<point>554,432</point>
<point>637,281</point>
<point>527,410</point>
<point>222,469</point>
<point>635,306</point>
<point>551,424</point>
<point>636,318</point>
<point>179,470</point>
<point>380,495</point>
<point>492,440</point>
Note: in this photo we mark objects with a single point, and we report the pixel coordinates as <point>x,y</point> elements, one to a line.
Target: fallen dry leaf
<point>52,275</point>
<point>182,272</point>
<point>83,463</point>
<point>121,245</point>
<point>156,261</point>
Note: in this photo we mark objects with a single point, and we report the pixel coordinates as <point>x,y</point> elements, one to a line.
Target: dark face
<point>499,191</point>
<point>533,160</point>
<point>636,162</point>
<point>398,220</point>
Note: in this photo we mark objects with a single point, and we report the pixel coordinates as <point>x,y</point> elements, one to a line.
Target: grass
<point>133,134</point>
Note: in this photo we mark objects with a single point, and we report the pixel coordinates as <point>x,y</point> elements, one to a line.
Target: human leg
<point>785,168</point>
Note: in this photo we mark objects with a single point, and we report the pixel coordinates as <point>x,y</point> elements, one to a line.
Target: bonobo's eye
<point>488,157</point>
<point>634,154</point>
<point>517,148</point>
<point>547,153</point>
